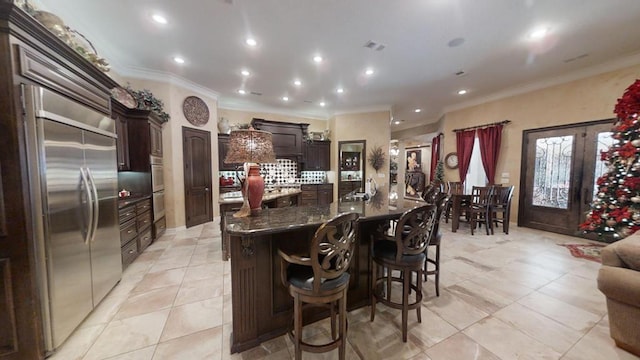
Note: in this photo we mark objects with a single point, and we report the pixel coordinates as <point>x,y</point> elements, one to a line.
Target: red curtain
<point>490,138</point>
<point>435,155</point>
<point>464,147</point>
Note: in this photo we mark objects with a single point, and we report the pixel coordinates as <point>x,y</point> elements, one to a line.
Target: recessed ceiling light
<point>456,42</point>
<point>245,73</point>
<point>159,19</point>
<point>322,103</point>
<point>369,71</point>
<point>178,60</point>
<point>417,110</point>
<point>397,122</point>
<point>284,98</point>
<point>462,92</point>
<point>340,90</point>
<point>251,42</point>
<point>317,59</point>
<point>241,91</point>
<point>297,82</point>
<point>538,34</point>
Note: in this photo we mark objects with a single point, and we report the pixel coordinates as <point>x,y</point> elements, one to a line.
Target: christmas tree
<point>615,211</point>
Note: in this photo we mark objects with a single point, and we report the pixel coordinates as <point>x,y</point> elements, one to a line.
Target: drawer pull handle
<point>129,231</point>
<point>131,251</point>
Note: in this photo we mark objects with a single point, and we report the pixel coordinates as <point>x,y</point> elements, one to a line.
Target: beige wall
<point>173,96</point>
<point>372,127</point>
<point>582,100</point>
<point>244,117</point>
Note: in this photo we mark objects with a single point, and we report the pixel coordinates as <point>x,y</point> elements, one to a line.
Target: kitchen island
<point>262,307</point>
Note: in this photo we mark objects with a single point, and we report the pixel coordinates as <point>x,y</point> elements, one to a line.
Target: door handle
<point>206,189</point>
<point>96,208</point>
<point>586,198</point>
<point>87,234</point>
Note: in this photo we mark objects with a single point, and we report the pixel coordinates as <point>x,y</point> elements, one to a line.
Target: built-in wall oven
<point>157,177</point>
<point>157,186</point>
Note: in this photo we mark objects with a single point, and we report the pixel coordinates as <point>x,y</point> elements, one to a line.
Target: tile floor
<point>517,296</point>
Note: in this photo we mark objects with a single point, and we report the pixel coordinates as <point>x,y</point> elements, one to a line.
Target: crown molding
<point>366,109</point>
<point>234,104</point>
<point>602,68</point>
<point>166,77</point>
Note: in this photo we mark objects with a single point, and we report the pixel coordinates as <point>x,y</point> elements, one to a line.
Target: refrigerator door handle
<point>88,233</point>
<point>95,210</point>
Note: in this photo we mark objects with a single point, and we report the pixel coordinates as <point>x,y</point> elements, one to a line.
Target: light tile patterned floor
<point>517,296</point>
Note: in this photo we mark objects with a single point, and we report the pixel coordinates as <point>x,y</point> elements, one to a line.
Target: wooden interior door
<point>197,176</point>
<point>560,166</point>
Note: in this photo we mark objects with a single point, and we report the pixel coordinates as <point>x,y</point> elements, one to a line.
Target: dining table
<point>458,202</point>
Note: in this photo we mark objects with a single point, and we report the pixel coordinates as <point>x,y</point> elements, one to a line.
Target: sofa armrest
<point>610,257</point>
<point>620,284</point>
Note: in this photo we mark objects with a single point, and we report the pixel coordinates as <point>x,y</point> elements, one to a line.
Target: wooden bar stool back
<point>320,278</point>
<point>403,252</point>
<point>436,238</point>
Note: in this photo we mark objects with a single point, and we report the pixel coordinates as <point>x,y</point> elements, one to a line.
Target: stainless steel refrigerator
<point>74,195</point>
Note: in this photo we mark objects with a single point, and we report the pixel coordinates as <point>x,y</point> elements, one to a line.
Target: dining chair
<point>455,188</point>
<point>479,209</point>
<point>502,204</point>
<point>320,278</point>
<point>404,251</point>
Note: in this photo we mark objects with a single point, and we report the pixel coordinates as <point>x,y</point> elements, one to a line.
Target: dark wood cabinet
<point>345,187</point>
<point>288,138</point>
<point>135,230</point>
<point>317,156</point>
<point>145,138</point>
<point>223,147</point>
<point>122,142</point>
<point>316,194</point>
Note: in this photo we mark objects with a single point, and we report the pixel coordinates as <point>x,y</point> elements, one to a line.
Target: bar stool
<point>441,202</point>
<point>404,252</point>
<point>320,279</point>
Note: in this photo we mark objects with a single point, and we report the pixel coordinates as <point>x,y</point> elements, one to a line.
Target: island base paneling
<point>262,307</point>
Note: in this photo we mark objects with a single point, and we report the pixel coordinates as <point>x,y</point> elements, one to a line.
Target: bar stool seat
<point>320,278</point>
<point>403,252</point>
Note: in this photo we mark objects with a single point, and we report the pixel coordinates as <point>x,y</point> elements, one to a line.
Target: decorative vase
<point>255,188</point>
<point>223,126</point>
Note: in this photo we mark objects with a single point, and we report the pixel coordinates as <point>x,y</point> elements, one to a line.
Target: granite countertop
<point>290,218</point>
<point>236,198</point>
<point>124,202</point>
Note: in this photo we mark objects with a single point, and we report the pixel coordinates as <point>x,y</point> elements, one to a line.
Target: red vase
<point>255,188</point>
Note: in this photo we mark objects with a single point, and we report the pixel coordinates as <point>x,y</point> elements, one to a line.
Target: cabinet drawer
<point>308,202</point>
<point>128,231</point>
<point>144,240</point>
<point>126,214</point>
<point>309,195</point>
<point>284,202</point>
<point>159,227</point>
<point>325,187</point>
<point>308,187</point>
<point>144,221</point>
<point>129,253</point>
<point>143,206</point>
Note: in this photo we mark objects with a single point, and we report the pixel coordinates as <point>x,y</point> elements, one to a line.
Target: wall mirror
<point>351,166</point>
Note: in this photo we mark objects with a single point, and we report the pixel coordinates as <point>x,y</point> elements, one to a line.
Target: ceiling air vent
<point>374,45</point>
<point>460,73</point>
<point>308,101</point>
<point>255,93</point>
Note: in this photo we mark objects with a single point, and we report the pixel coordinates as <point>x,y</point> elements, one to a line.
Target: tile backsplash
<point>284,171</point>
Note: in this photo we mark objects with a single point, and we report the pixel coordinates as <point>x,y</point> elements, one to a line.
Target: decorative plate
<point>195,110</point>
<point>124,97</point>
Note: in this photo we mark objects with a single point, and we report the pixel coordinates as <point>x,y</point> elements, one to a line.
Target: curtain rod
<point>504,122</point>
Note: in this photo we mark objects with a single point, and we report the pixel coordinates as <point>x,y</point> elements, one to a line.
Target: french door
<point>560,166</point>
